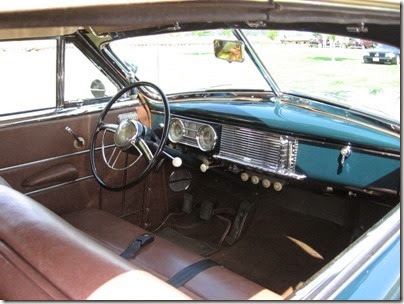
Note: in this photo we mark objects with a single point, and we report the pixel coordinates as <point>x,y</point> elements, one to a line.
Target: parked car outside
<point>383,54</point>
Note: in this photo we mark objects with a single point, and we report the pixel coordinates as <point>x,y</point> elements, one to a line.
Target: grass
<point>312,70</point>
<point>324,58</point>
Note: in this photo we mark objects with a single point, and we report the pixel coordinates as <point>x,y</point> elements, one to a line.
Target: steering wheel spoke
<point>108,127</point>
<point>144,149</point>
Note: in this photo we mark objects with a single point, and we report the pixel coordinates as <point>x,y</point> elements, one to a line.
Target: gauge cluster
<point>193,133</point>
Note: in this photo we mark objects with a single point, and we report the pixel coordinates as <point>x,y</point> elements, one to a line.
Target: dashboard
<point>269,144</point>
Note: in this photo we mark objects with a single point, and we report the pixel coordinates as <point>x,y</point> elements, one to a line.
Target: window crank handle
<point>79,141</point>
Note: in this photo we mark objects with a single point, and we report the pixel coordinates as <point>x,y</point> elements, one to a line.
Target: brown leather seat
<point>164,259</point>
<point>43,257</point>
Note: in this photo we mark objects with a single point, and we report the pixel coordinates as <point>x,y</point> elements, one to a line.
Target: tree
<point>272,34</point>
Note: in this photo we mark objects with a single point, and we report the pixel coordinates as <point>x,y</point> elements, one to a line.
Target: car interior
<point>102,201</point>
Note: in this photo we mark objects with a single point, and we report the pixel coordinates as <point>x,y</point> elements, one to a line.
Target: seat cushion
<point>164,258</point>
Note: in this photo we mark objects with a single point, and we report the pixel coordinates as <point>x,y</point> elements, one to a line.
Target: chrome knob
<point>204,168</point>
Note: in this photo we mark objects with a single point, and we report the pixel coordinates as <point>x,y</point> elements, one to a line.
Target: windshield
<point>185,62</point>
<point>356,73</point>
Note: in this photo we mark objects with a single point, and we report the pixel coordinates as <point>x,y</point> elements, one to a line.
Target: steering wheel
<point>130,136</point>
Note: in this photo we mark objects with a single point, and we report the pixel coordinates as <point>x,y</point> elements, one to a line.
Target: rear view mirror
<point>229,50</point>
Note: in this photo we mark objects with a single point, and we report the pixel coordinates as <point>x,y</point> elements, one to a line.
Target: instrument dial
<point>176,131</point>
<point>206,138</point>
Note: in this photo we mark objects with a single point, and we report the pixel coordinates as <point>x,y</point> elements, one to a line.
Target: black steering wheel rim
<point>159,149</point>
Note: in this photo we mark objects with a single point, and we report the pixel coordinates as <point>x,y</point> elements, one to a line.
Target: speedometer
<point>176,131</point>
<point>206,138</point>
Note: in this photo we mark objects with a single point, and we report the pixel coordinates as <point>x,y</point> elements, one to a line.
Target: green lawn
<point>335,73</point>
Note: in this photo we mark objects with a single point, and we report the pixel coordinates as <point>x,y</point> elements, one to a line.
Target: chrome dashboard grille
<point>263,150</point>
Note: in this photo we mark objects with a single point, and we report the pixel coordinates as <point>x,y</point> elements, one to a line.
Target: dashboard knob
<point>244,176</point>
<point>255,179</point>
<point>177,162</point>
<point>278,186</point>
<point>266,183</point>
<point>204,168</point>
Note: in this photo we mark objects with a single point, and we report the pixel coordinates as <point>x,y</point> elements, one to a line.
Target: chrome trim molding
<point>46,115</point>
<point>59,185</point>
<point>333,277</point>
<point>348,119</point>
<point>35,162</point>
<point>354,148</point>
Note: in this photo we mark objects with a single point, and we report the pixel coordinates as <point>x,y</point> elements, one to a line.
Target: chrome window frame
<point>61,107</point>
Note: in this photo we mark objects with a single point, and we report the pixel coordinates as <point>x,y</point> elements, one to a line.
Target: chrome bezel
<point>214,138</point>
<point>134,136</point>
<point>169,130</point>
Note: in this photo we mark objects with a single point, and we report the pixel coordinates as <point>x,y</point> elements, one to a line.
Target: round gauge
<point>176,130</point>
<point>206,138</point>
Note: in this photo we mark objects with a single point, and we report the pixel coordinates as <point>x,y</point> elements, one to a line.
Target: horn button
<point>127,132</point>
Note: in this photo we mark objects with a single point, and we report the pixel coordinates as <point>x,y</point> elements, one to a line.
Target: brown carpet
<point>282,248</point>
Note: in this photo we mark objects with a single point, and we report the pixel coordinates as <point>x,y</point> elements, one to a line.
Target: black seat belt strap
<point>186,274</point>
<point>138,243</point>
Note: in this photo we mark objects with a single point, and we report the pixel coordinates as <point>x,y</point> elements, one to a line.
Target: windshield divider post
<point>258,62</point>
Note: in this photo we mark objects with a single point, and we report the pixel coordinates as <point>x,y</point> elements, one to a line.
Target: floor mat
<point>191,244</point>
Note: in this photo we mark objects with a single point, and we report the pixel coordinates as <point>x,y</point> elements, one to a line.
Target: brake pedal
<point>206,210</point>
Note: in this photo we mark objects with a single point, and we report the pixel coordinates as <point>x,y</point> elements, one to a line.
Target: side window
<point>82,78</point>
<point>27,75</point>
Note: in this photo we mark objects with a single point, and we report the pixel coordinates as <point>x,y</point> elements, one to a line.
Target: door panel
<point>40,160</point>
